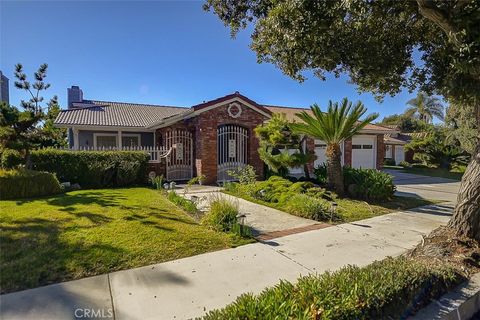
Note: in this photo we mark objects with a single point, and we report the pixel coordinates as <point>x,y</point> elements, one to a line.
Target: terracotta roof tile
<point>107,113</point>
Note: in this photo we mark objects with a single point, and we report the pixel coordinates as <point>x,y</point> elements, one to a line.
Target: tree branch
<point>430,11</point>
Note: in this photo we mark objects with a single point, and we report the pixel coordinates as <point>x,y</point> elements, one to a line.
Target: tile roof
<point>290,114</point>
<point>108,113</point>
<point>121,114</point>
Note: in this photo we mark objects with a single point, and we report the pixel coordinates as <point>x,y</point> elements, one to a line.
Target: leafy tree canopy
<point>374,42</point>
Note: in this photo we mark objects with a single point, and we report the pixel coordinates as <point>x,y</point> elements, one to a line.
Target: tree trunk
<point>466,217</point>
<point>334,169</point>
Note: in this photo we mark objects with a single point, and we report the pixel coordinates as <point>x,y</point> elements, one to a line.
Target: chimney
<point>74,94</point>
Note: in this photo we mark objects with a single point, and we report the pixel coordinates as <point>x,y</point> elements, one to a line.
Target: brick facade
<point>204,129</point>
<point>380,151</point>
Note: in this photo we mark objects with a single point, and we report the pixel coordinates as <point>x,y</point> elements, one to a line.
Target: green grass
<point>352,210</point>
<point>349,210</point>
<point>90,232</point>
<point>431,172</point>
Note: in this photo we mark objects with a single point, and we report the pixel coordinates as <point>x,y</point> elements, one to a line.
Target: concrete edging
<point>460,304</point>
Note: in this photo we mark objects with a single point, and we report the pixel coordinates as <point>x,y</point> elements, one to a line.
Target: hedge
<point>393,288</point>
<point>22,183</point>
<point>93,169</point>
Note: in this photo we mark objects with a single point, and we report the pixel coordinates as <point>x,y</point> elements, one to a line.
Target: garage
<point>320,149</point>
<point>399,154</point>
<point>364,152</point>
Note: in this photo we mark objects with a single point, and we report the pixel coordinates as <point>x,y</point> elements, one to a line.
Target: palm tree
<point>426,107</point>
<point>339,123</point>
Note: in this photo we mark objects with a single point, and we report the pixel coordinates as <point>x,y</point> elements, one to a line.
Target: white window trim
<point>97,134</point>
<point>138,135</point>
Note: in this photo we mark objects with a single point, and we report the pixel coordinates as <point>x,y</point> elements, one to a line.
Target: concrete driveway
<point>434,188</point>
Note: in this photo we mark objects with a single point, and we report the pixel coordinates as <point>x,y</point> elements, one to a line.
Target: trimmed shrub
<point>93,169</point>
<point>22,183</point>
<point>389,162</point>
<point>405,164</point>
<point>11,158</point>
<point>183,203</point>
<point>222,215</point>
<point>308,207</point>
<point>368,184</point>
<point>390,289</point>
<point>321,173</point>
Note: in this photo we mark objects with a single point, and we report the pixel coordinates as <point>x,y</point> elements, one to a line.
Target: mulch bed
<point>443,246</point>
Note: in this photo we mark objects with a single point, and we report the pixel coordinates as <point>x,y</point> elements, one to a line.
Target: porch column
<point>119,139</point>
<point>76,145</point>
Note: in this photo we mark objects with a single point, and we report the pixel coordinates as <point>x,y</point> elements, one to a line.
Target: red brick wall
<point>310,142</point>
<point>380,151</point>
<point>204,129</point>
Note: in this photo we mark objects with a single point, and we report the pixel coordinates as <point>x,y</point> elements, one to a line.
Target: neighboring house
<point>4,90</point>
<point>395,144</point>
<point>208,139</point>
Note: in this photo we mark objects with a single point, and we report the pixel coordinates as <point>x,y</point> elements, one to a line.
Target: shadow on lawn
<point>34,254</point>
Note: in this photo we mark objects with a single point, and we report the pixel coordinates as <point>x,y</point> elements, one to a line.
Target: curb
<point>460,304</point>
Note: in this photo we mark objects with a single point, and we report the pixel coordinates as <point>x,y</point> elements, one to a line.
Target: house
<point>4,90</point>
<point>208,139</point>
<point>395,142</point>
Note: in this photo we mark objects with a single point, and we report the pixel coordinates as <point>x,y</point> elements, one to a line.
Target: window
<point>367,146</point>
<point>356,146</point>
<point>130,140</point>
<point>106,141</point>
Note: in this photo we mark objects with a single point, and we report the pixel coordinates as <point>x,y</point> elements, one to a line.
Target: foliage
<point>301,198</point>
<point>462,127</point>
<point>338,123</point>
<point>383,290</point>
<point>30,127</point>
<point>309,207</point>
<point>432,150</point>
<point>425,108</point>
<point>277,141</point>
<point>369,184</point>
<point>157,182</point>
<point>389,162</point>
<point>244,175</point>
<point>11,158</point>
<point>405,164</point>
<point>320,173</point>
<point>222,215</point>
<point>198,179</point>
<point>405,123</point>
<point>89,232</point>
<point>187,205</point>
<point>93,169</point>
<point>22,183</point>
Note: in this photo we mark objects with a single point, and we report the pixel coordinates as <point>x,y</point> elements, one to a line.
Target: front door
<point>232,150</point>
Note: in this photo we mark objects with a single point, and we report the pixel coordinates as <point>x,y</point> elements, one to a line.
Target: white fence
<point>156,153</point>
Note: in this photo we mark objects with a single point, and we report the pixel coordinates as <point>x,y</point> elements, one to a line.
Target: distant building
<point>4,96</point>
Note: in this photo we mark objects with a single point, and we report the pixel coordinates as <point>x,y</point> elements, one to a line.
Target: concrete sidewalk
<point>260,218</point>
<point>189,287</point>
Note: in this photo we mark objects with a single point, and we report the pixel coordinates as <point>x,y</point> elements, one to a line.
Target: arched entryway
<point>179,164</point>
<point>232,150</point>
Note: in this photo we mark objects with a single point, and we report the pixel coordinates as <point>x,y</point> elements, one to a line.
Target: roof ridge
<point>138,104</point>
<point>284,107</point>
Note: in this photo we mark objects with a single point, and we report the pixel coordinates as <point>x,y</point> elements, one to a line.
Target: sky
<point>168,53</point>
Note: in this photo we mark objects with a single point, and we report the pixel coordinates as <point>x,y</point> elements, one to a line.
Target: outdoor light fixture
<point>241,218</point>
<point>172,185</point>
<point>333,210</point>
<point>165,186</point>
<point>263,193</point>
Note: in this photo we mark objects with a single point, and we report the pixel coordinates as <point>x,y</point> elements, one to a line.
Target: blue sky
<point>171,53</point>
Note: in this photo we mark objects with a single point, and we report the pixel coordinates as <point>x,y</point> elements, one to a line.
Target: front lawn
<point>90,232</point>
<point>431,172</point>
